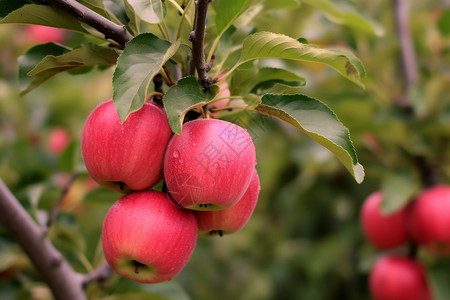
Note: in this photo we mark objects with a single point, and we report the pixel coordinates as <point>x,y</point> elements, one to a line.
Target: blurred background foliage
<point>304,239</point>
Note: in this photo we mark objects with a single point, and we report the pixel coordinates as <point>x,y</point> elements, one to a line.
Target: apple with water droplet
<point>384,231</point>
<point>210,165</point>
<point>429,220</point>
<point>147,238</point>
<point>232,219</point>
<point>396,277</point>
<point>127,156</point>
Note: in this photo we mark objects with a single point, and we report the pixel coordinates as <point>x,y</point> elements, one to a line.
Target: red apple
<point>224,93</point>
<point>148,238</point>
<point>429,219</point>
<point>230,220</point>
<point>125,156</point>
<point>58,140</point>
<point>396,277</point>
<point>383,231</point>
<point>43,34</point>
<point>210,165</point>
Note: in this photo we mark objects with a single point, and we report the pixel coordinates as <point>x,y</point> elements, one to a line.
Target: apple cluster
<point>211,186</point>
<point>425,223</point>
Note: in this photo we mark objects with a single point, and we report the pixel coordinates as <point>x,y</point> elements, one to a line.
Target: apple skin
<point>233,219</point>
<point>429,220</point>
<point>127,156</point>
<point>383,231</point>
<point>58,140</point>
<point>395,277</point>
<point>210,165</point>
<point>43,34</point>
<point>224,93</point>
<point>147,238</point>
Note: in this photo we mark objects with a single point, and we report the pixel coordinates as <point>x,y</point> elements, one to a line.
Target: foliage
<point>303,241</point>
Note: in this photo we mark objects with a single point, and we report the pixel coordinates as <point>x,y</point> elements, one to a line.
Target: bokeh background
<point>304,239</point>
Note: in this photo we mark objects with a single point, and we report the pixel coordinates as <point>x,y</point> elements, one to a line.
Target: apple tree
<point>254,66</point>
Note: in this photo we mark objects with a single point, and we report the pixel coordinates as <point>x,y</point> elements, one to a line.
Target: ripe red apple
<point>147,238</point>
<point>383,231</point>
<point>230,220</point>
<point>58,140</point>
<point>43,34</point>
<point>429,219</point>
<point>210,165</point>
<point>396,277</point>
<point>125,156</point>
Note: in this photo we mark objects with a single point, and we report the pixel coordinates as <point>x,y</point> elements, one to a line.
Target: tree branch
<point>56,208</point>
<point>100,274</point>
<point>197,37</point>
<point>408,54</point>
<point>83,14</point>
<point>64,282</point>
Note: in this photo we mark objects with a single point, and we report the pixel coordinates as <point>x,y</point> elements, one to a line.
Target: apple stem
<point>137,265</point>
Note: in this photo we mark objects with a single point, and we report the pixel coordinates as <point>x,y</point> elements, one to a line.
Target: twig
<point>197,37</point>
<point>83,14</point>
<point>169,77</point>
<point>408,54</point>
<point>98,275</point>
<point>57,206</point>
<point>64,282</point>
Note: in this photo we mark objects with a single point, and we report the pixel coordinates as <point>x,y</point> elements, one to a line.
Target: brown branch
<point>98,275</point>
<point>64,282</point>
<point>83,14</point>
<point>57,206</point>
<point>197,37</point>
<point>404,33</point>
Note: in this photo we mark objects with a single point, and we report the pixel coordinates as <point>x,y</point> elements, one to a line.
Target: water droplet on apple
<point>180,161</point>
<point>176,154</point>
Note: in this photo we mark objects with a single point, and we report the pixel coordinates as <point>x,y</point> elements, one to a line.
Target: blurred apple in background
<point>58,140</point>
<point>37,34</point>
<point>398,278</point>
<point>384,231</point>
<point>429,220</point>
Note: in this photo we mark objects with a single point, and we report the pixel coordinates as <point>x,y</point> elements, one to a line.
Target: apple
<point>224,93</point>
<point>58,140</point>
<point>210,165</point>
<point>383,231</point>
<point>230,220</point>
<point>395,277</point>
<point>147,238</point>
<point>38,34</point>
<point>127,156</point>
<point>429,220</point>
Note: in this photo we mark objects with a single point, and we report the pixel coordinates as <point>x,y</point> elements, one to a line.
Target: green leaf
<point>346,15</point>
<point>43,15</point>
<point>99,7</point>
<point>316,120</point>
<point>184,96</point>
<point>151,11</point>
<point>398,188</point>
<point>227,11</point>
<point>87,55</point>
<point>33,56</point>
<point>7,6</point>
<point>141,60</point>
<point>272,45</point>
<point>133,23</point>
<point>68,159</point>
<point>439,278</point>
<point>444,23</point>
